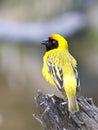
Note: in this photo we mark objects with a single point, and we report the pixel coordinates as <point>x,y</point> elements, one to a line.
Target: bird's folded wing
<point>57,75</point>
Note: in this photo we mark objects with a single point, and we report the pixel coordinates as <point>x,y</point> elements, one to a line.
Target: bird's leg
<point>63,105</point>
<point>63,93</point>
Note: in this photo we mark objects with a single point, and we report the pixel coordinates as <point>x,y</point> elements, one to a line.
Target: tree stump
<point>55,116</point>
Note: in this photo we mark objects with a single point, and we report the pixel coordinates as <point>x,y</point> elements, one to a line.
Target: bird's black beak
<point>45,42</point>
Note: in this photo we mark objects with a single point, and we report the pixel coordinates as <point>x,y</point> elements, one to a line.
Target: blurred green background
<point>21,62</point>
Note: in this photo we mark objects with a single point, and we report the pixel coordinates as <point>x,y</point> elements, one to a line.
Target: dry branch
<point>55,116</point>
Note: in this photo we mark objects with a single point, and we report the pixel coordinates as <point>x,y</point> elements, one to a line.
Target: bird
<point>60,69</point>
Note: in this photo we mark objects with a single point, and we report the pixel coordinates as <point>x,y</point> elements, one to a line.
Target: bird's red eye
<point>54,42</point>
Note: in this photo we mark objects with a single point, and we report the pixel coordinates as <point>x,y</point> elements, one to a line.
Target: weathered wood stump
<point>55,116</point>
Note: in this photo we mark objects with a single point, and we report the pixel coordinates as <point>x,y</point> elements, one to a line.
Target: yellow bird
<point>59,69</point>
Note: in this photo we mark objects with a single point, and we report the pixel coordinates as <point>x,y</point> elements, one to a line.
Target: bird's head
<point>55,41</point>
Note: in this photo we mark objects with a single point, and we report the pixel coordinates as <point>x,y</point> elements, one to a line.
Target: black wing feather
<point>56,74</point>
<point>78,81</point>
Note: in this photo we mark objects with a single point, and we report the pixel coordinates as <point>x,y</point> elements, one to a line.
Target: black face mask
<point>50,44</point>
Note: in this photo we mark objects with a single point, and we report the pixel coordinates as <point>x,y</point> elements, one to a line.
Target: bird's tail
<point>73,104</point>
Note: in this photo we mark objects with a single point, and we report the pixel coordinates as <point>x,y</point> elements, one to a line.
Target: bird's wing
<point>78,81</point>
<point>76,76</point>
<point>74,66</point>
<point>57,75</point>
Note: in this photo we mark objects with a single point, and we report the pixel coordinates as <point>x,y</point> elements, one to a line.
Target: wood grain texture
<point>55,116</point>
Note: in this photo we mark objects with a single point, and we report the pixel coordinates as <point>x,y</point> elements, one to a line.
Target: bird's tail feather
<point>73,104</point>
